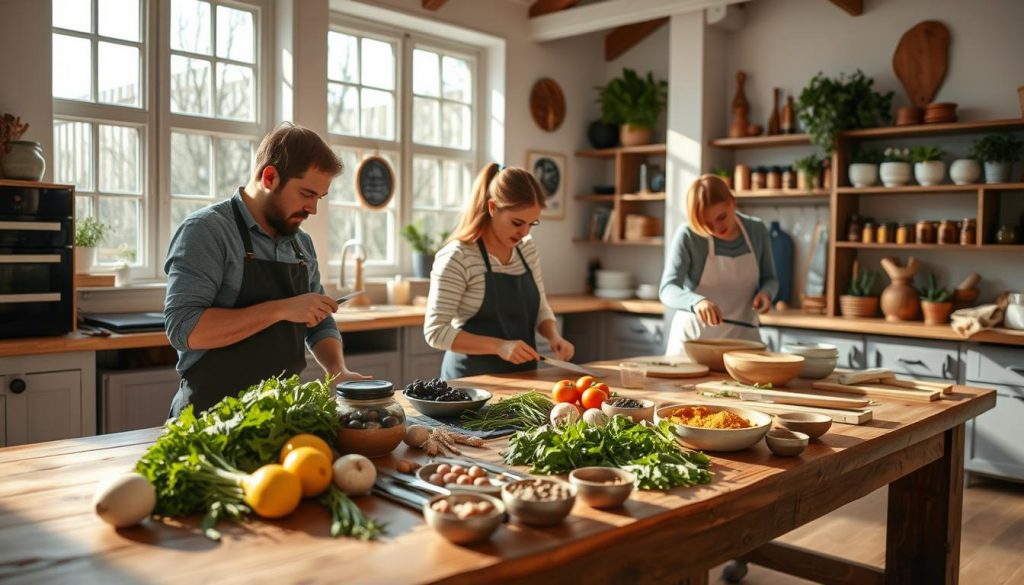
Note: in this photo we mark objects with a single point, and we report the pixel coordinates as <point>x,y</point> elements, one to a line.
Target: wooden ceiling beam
<point>852,7</point>
<point>433,4</point>
<point>628,36</point>
<point>542,7</point>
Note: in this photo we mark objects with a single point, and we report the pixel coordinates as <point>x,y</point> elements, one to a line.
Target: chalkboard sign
<point>375,182</point>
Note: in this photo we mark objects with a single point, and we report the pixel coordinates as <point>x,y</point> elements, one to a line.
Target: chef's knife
<point>730,321</point>
<point>348,297</point>
<point>571,367</point>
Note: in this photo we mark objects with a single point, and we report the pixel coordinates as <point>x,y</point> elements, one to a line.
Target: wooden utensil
<point>921,59</point>
<point>782,396</point>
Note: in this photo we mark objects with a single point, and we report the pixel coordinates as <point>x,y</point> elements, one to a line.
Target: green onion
<point>523,411</point>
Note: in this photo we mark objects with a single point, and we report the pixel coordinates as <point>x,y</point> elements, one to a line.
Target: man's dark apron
<point>225,371</point>
<point>509,311</point>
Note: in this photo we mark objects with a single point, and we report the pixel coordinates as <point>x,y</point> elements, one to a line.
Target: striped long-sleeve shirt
<point>457,288</point>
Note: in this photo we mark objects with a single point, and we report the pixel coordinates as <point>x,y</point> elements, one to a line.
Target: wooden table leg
<point>923,528</point>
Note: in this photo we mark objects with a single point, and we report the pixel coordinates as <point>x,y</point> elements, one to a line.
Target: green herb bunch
<point>896,155</point>
<point>632,99</point>
<point>866,155</point>
<point>721,172</point>
<point>828,106</point>
<point>809,167</point>
<point>1003,147</point>
<point>523,411</point>
<point>933,293</point>
<point>650,452</point>
<point>420,240</point>
<point>920,154</point>
<point>89,232</point>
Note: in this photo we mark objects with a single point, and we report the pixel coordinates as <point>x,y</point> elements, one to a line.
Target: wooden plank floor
<point>993,536</point>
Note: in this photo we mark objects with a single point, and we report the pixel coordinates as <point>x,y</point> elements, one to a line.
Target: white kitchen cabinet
<point>993,439</point>
<point>136,399</point>
<point>48,397</point>
<point>920,358</point>
<point>630,335</point>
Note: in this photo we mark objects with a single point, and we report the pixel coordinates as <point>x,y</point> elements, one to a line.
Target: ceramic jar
<point>964,171</point>
<point>900,300</point>
<point>948,232</point>
<point>894,174</point>
<point>997,172</point>
<point>930,172</point>
<point>925,232</point>
<point>24,160</point>
<point>863,175</point>
<point>741,178</point>
<point>1014,317</point>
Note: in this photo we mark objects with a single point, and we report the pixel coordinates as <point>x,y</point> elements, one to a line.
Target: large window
<point>413,101</point>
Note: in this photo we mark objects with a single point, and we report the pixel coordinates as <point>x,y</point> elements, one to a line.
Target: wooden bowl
<point>811,424</point>
<point>763,367</point>
<point>785,443</point>
<point>709,352</point>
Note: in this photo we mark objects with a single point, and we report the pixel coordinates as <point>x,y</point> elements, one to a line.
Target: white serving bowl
<point>718,439</point>
<point>613,293</point>
<point>648,292</point>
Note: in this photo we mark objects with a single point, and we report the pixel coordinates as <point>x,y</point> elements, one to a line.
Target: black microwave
<point>36,259</point>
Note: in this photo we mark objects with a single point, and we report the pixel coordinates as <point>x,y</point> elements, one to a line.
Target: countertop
<point>351,320</point>
<point>51,534</point>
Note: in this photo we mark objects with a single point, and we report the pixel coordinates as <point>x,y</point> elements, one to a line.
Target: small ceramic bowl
<point>538,512</point>
<point>602,487</point>
<point>464,530</point>
<point>437,408</point>
<point>811,424</point>
<point>644,412</point>
<point>786,443</point>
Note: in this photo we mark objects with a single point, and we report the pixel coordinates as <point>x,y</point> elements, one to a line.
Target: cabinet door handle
<point>910,362</point>
<point>17,386</point>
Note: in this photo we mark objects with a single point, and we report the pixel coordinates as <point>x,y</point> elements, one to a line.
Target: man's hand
<point>346,374</point>
<point>309,308</point>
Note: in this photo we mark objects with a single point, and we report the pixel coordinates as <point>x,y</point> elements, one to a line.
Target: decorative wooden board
<point>784,396</point>
<point>920,61</point>
<point>660,366</point>
<point>547,104</point>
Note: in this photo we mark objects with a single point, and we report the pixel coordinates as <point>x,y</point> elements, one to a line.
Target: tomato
<point>565,391</point>
<point>306,440</point>
<point>603,388</point>
<point>593,397</point>
<point>584,382</point>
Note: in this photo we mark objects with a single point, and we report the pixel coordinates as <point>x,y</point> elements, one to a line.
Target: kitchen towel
<point>967,322</point>
<point>782,253</point>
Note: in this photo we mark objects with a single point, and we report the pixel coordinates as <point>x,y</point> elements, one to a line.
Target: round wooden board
<point>661,366</point>
<point>547,104</point>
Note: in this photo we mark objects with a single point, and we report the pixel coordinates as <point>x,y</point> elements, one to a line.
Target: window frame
<point>408,40</point>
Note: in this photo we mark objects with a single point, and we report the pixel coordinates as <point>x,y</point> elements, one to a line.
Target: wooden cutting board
<point>850,417</point>
<point>785,396</point>
<point>660,366</point>
<point>921,59</point>
<point>879,390</point>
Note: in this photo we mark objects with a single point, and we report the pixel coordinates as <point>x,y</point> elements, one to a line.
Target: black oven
<point>36,259</point>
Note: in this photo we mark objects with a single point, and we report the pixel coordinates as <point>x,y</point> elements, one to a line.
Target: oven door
<point>36,290</point>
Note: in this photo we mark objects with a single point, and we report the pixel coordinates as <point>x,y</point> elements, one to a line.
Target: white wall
<point>25,55</point>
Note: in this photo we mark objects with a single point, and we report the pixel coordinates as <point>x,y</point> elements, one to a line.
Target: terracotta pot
<point>858,307</point>
<point>936,313</point>
<point>900,301</point>
<point>632,135</point>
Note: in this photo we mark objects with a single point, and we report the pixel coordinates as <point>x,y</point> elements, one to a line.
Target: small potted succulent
<point>634,103</point>
<point>935,302</point>
<point>424,246</point>
<point>724,174</point>
<point>998,152</point>
<point>863,171</point>
<point>860,300</point>
<point>809,168</point>
<point>89,233</point>
<point>928,166</point>
<point>895,168</point>
<point>966,170</point>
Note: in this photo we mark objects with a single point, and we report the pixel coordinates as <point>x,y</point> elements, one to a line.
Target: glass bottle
<point>925,232</point>
<point>948,234</point>
<point>788,178</point>
<point>867,234</point>
<point>968,232</point>
<point>905,233</point>
<point>757,178</point>
<point>853,228</point>
<point>774,178</point>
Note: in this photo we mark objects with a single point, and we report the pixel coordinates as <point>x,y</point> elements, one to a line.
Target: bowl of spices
<point>638,409</point>
<point>715,428</point>
<point>602,487</point>
<point>464,518</point>
<point>371,422</point>
<point>539,502</point>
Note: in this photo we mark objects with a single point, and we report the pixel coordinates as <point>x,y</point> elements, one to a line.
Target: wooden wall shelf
<point>765,193</point>
<point>646,150</point>
<point>774,140</point>
<point>909,247</point>
<point>643,197</point>
<point>627,161</point>
<point>1009,124</point>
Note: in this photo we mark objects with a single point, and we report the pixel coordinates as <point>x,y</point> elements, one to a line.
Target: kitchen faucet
<point>359,253</point>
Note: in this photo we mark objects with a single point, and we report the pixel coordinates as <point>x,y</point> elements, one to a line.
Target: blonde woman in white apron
<point>720,274</point>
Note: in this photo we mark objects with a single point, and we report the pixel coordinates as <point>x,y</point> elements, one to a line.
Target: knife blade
<point>414,482</point>
<point>571,367</point>
<point>349,297</point>
<point>729,321</point>
<point>401,495</point>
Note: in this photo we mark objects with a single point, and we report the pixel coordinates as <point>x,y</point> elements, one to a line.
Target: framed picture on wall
<point>549,168</point>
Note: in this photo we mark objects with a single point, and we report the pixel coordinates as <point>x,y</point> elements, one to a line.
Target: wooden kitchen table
<point>48,532</point>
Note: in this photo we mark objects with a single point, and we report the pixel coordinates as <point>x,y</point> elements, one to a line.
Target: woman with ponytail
<point>486,301</point>
<point>720,273</point>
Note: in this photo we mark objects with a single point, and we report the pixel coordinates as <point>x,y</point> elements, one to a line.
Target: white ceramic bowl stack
<point>820,359</point>
<point>647,292</point>
<point>614,284</point>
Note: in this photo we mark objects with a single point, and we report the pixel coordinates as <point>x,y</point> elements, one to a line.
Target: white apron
<point>730,283</point>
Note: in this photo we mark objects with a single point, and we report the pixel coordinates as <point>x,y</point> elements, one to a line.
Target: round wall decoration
<point>375,182</point>
<point>547,104</point>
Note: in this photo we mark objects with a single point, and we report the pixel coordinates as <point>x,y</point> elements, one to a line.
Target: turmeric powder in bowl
<point>705,418</point>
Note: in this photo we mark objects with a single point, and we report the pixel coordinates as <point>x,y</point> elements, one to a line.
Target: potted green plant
<point>935,303</point>
<point>424,246</point>
<point>724,174</point>
<point>998,152</point>
<point>634,103</point>
<point>895,167</point>
<point>89,233</point>
<point>860,300</point>
<point>808,167</point>
<point>123,272</point>
<point>965,170</point>
<point>863,171</point>
<point>928,166</point>
<point>828,106</point>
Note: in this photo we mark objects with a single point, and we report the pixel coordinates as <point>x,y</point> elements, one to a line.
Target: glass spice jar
<point>774,178</point>
<point>905,234</point>
<point>925,232</point>
<point>372,421</point>
<point>948,232</point>
<point>886,233</point>
<point>788,178</point>
<point>968,232</point>
<point>757,178</point>
<point>867,234</point>
<point>853,228</point>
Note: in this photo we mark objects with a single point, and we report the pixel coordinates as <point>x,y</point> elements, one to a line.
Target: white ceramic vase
<point>930,172</point>
<point>24,160</point>
<point>964,171</point>
<point>997,172</point>
<point>894,174</point>
<point>85,259</point>
<point>863,175</point>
